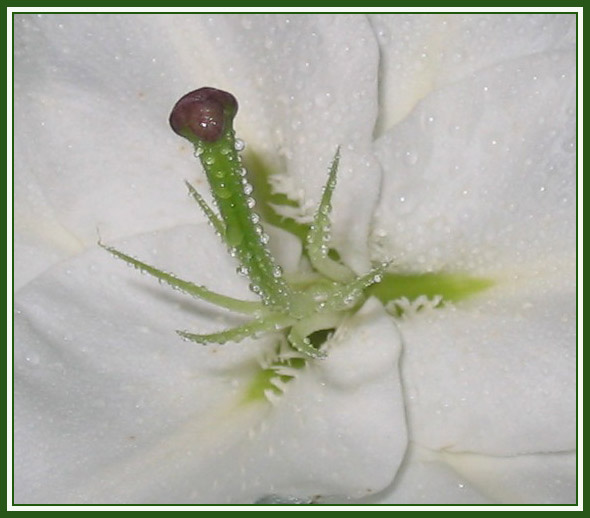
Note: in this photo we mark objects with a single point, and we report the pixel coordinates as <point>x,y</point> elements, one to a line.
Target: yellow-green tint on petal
<point>451,287</point>
<point>261,382</point>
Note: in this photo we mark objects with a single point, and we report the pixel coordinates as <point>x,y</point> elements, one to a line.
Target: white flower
<point>457,137</point>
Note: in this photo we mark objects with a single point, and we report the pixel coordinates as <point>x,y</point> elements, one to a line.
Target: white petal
<point>495,374</point>
<point>424,52</point>
<point>482,176</point>
<point>92,143</point>
<point>428,477</point>
<point>110,406</point>
<point>93,94</point>
<point>310,85</point>
<point>525,479</point>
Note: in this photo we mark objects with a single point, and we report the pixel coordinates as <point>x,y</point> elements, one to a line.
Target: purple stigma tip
<point>203,114</point>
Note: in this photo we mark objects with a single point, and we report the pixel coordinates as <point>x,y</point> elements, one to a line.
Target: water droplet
<point>243,270</point>
<point>242,171</point>
<point>239,145</point>
<point>209,160</point>
<point>569,146</point>
<point>254,218</point>
<point>248,189</point>
<point>250,202</point>
<point>322,100</point>
<point>457,57</point>
<point>222,191</point>
<point>264,239</point>
<point>277,271</point>
<point>410,157</point>
<point>33,359</point>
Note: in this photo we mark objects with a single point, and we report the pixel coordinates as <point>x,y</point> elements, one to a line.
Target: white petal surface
<point>525,479</point>
<point>482,176</point>
<point>112,407</point>
<point>92,147</point>
<point>314,84</point>
<point>494,375</point>
<point>428,477</point>
<point>421,53</point>
<point>93,94</point>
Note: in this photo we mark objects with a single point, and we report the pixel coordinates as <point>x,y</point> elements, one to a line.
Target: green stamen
<point>308,307</point>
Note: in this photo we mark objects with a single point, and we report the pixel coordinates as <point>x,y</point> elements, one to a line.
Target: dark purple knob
<point>203,114</point>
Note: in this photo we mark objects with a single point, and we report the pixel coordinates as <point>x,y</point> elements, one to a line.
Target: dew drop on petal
<point>243,270</point>
<point>410,158</point>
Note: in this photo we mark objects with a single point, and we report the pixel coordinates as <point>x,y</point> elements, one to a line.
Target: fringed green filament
<point>236,334</point>
<point>213,218</point>
<point>199,292</point>
<point>319,233</point>
<point>303,344</point>
<point>349,295</point>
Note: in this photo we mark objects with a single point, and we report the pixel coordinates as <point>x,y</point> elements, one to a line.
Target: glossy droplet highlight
<point>203,114</point>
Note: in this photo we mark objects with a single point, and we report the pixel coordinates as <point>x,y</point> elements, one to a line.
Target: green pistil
<point>308,308</point>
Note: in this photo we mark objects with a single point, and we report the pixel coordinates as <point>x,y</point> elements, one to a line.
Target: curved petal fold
<point>112,407</point>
